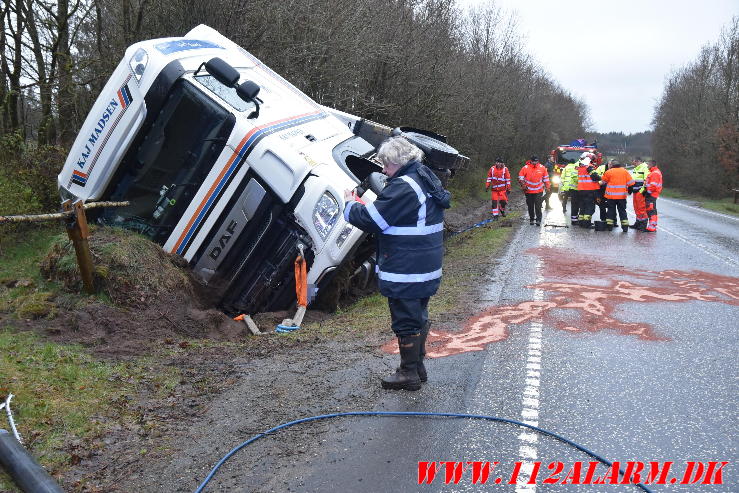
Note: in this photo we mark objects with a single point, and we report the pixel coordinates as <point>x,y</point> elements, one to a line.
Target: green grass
<point>725,205</point>
<point>62,394</point>
<point>29,295</point>
<point>57,392</point>
<point>21,252</point>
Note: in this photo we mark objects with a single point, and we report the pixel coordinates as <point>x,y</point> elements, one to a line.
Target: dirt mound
<point>153,298</point>
<point>128,268</point>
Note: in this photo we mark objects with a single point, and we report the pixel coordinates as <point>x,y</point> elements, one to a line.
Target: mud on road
<point>231,385</point>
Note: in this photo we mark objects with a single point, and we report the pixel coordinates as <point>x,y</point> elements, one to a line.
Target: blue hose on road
<point>408,413</point>
<point>476,225</point>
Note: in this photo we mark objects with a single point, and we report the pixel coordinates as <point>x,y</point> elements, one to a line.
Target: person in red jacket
<point>533,178</point>
<point>499,184</point>
<point>652,189</point>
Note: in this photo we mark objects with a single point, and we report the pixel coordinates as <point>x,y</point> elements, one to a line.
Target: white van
<point>229,166</point>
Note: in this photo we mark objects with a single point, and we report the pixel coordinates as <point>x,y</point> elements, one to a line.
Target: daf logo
<point>223,240</point>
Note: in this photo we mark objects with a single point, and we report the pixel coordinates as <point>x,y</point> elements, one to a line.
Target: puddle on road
<point>593,301</point>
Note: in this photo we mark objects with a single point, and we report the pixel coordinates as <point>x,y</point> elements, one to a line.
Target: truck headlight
<point>325,214</point>
<point>138,63</point>
<point>556,180</point>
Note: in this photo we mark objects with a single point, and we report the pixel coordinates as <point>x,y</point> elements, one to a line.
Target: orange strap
<point>301,281</point>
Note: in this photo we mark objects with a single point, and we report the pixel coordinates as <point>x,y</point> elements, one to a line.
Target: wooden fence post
<point>79,232</point>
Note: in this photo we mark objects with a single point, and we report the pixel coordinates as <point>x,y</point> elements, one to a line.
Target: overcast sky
<point>629,47</point>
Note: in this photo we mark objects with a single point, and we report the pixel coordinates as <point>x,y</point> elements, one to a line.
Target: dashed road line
<point>530,413</point>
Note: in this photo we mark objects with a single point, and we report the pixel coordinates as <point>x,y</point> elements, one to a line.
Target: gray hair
<point>398,151</point>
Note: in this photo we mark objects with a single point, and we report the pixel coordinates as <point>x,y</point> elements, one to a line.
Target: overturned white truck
<point>230,166</point>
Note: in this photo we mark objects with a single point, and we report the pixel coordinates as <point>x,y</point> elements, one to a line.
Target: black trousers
<point>602,205</point>
<point>563,196</point>
<point>408,315</point>
<point>574,204</point>
<point>587,204</point>
<point>533,202</point>
<point>614,205</point>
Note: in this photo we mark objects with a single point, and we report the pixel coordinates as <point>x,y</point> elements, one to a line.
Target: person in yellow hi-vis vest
<point>568,189</point>
<point>639,174</point>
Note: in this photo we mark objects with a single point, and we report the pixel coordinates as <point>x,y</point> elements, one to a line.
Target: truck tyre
<point>438,154</point>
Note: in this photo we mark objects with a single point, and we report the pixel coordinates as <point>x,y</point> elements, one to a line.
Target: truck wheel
<point>438,154</point>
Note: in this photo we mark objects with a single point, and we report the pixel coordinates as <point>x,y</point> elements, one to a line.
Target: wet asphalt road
<point>664,393</point>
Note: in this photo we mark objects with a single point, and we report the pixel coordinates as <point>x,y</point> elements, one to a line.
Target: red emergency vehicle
<point>571,152</point>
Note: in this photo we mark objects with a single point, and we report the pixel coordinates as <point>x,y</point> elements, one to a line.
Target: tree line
<point>696,122</point>
<point>461,72</point>
<point>624,147</point>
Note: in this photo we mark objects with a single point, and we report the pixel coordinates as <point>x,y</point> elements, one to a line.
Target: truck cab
<point>237,185</point>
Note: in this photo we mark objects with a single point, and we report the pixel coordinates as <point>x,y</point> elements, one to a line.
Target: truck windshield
<point>227,94</point>
<point>567,156</point>
<point>166,167</point>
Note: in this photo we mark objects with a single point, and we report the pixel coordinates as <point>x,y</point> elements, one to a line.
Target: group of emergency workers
<point>586,186</point>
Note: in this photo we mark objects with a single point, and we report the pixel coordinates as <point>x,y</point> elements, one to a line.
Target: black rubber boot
<point>406,377</point>
<point>421,369</point>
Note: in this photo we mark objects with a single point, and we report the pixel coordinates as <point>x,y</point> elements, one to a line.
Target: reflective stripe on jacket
<point>618,181</point>
<point>653,183</point>
<point>584,181</point>
<point>499,179</point>
<point>534,177</point>
<point>408,218</point>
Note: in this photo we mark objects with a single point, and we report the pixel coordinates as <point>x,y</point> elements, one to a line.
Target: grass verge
<point>725,205</point>
<point>63,395</point>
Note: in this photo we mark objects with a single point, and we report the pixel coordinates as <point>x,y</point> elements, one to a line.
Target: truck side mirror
<point>222,71</point>
<point>247,91</point>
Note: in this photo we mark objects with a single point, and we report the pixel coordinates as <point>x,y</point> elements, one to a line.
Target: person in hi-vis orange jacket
<point>499,184</point>
<point>533,178</point>
<point>652,189</point>
<point>619,184</point>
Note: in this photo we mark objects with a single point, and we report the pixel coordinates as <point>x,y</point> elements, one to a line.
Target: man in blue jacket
<point>408,219</point>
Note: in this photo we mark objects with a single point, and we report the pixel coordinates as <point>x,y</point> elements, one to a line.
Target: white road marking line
<point>699,209</point>
<point>527,449</point>
<point>726,260</point>
<point>527,467</point>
